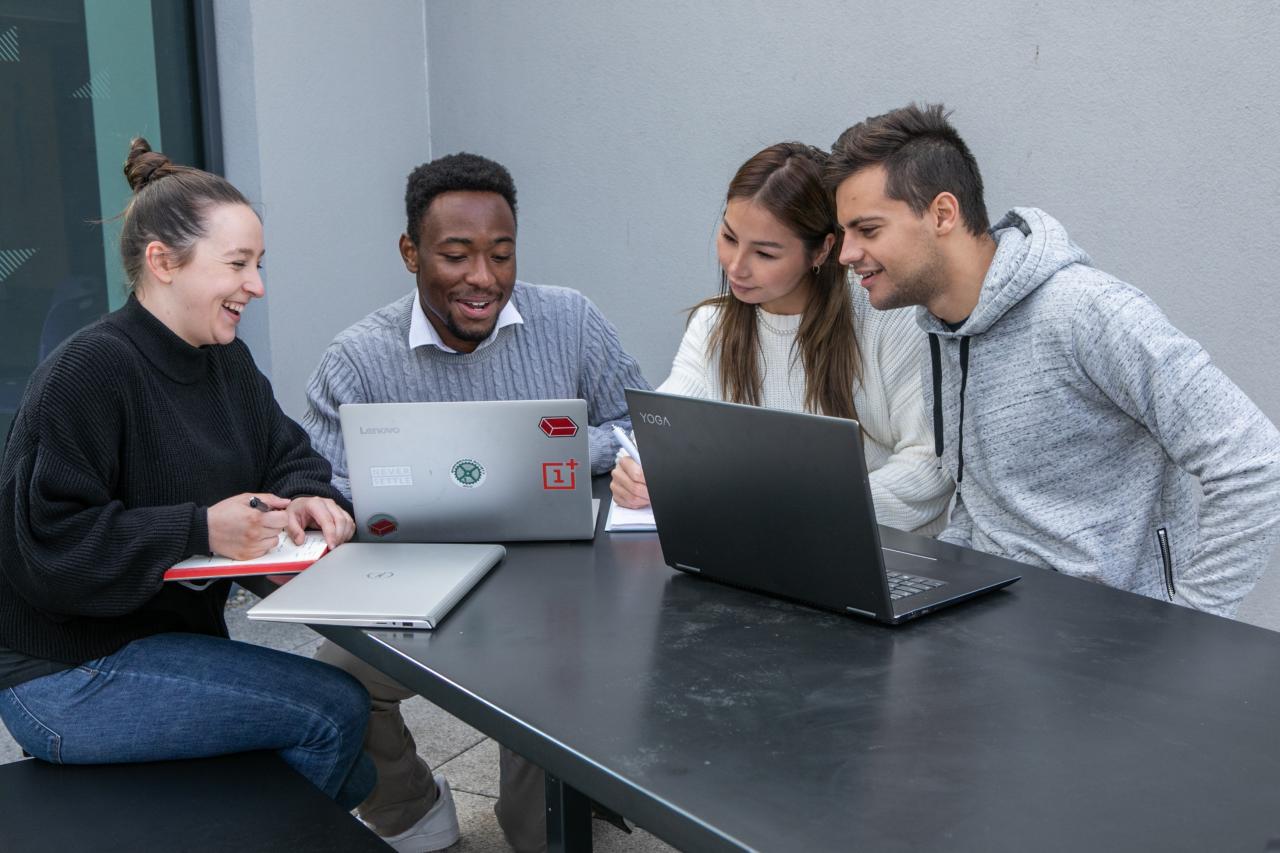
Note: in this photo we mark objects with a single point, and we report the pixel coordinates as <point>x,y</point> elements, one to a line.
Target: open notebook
<point>623,520</point>
<point>285,558</point>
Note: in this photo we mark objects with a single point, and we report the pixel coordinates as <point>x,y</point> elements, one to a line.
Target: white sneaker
<point>437,829</point>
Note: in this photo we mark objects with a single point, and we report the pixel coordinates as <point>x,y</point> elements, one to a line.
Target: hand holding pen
<point>628,485</point>
<point>245,526</point>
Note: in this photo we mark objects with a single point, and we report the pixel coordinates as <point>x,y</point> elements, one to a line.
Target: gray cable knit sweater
<point>564,349</point>
<point>1088,420</point>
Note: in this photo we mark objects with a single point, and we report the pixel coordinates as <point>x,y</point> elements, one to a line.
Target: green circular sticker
<point>467,473</point>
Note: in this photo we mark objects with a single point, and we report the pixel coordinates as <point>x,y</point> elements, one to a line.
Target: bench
<point>247,802</point>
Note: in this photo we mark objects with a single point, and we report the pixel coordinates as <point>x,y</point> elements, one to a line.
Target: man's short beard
<point>921,287</point>
<point>446,317</point>
<point>474,336</point>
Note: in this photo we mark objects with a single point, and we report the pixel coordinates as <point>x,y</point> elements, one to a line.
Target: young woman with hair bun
<point>787,331</point>
<point>142,441</point>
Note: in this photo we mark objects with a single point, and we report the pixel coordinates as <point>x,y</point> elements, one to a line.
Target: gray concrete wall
<point>324,108</point>
<point>1149,130</point>
<point>1151,136</point>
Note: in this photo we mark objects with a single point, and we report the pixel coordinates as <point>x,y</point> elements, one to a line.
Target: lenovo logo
<point>378,430</point>
<point>656,420</point>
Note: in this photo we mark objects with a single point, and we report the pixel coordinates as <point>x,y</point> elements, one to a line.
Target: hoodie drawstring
<point>935,357</point>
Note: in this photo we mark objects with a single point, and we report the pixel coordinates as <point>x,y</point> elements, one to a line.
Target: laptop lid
<point>382,585</point>
<point>780,502</point>
<point>485,471</point>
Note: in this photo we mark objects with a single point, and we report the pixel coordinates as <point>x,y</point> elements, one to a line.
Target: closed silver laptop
<point>490,471</point>
<point>385,585</point>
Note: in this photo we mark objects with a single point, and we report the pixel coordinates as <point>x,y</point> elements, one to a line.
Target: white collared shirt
<point>423,334</point>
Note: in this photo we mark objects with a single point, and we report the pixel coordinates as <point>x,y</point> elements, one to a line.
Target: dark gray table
<point>1056,715</point>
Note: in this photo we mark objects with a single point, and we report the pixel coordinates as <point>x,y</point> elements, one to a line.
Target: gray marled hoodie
<point>1088,419</point>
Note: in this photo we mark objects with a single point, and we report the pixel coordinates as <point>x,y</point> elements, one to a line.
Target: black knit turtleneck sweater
<point>125,437</point>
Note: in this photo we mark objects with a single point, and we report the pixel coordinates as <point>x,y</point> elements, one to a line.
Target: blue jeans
<point>172,696</point>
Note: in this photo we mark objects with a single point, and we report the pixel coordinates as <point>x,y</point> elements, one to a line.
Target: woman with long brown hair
<point>787,331</point>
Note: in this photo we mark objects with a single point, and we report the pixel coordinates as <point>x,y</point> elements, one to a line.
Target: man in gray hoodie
<point>1084,432</point>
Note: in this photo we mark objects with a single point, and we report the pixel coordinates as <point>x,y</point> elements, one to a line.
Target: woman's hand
<point>320,514</point>
<point>628,486</point>
<point>242,532</point>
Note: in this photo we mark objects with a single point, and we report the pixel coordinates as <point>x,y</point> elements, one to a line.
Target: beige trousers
<point>406,789</point>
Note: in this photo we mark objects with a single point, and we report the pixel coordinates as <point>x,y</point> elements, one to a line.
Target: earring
<point>817,268</point>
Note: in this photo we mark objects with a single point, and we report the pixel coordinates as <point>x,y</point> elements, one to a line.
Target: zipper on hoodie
<point>1166,557</point>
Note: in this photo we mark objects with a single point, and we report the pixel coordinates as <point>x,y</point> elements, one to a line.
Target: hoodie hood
<point>1031,246</point>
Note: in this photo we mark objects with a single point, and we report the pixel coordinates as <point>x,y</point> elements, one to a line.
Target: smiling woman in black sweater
<point>141,442</point>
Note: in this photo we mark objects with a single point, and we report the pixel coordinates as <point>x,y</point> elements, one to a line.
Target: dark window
<point>78,80</point>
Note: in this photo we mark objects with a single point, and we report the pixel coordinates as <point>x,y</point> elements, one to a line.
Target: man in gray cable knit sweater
<point>1084,432</point>
<point>469,331</point>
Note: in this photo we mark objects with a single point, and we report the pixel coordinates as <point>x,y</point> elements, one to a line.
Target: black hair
<point>922,155</point>
<point>460,172</point>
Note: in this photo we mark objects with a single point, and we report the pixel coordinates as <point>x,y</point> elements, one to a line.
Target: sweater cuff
<point>326,491</point>
<point>198,537</point>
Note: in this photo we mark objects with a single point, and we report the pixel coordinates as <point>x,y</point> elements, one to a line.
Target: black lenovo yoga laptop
<point>780,503</point>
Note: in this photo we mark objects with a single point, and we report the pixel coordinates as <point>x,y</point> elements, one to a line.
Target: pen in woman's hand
<point>627,444</point>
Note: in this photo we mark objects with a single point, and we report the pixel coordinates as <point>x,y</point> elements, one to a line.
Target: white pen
<point>627,444</point>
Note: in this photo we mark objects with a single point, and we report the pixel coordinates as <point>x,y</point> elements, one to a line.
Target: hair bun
<point>144,166</point>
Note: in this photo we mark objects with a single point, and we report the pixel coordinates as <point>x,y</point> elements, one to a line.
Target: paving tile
<point>475,773</point>
<point>310,647</point>
<point>284,636</point>
<point>481,833</point>
<point>606,838</point>
<point>9,749</point>
<point>480,830</point>
<point>476,770</point>
<point>440,736</point>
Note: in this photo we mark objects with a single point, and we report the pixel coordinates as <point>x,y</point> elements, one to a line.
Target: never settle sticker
<point>559,476</point>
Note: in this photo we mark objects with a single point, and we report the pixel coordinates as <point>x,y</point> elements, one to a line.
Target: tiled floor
<point>464,755</point>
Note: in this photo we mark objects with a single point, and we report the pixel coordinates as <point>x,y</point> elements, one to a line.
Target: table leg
<point>568,818</point>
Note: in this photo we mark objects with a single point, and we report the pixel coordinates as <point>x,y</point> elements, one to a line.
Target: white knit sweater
<point>910,491</point>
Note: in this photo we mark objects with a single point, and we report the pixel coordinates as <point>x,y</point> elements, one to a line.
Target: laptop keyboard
<point>901,584</point>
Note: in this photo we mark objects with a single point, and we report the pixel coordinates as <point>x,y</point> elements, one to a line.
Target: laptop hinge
<point>908,553</point>
<point>860,612</point>
<point>688,568</point>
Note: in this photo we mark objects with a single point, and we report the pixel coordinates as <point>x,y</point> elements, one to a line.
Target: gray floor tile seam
<point>304,643</point>
<point>460,789</point>
<point>440,764</point>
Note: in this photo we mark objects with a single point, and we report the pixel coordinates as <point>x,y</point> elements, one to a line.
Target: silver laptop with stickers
<point>491,471</point>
